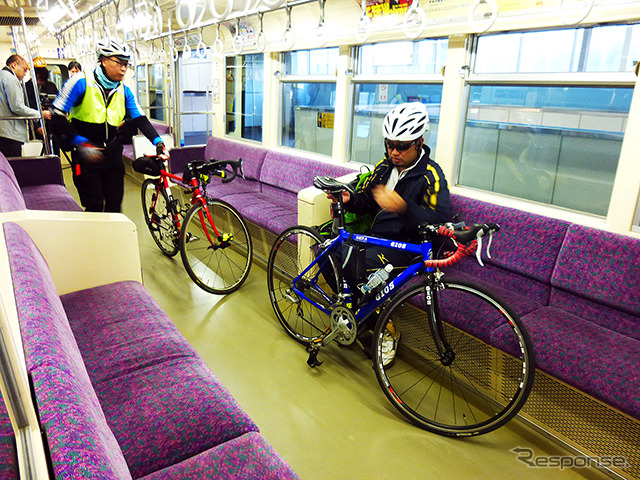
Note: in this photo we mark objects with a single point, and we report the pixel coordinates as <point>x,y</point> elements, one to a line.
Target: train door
<point>195,116</point>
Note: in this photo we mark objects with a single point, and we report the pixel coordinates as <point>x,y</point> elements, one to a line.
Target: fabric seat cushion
<point>50,197</point>
<point>247,457</point>
<point>165,413</point>
<point>81,445</point>
<point>119,328</point>
<point>601,363</point>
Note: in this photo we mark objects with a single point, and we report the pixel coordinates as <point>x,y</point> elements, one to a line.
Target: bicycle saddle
<point>331,185</point>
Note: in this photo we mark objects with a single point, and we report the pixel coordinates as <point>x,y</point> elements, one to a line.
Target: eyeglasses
<point>121,64</point>
<point>399,146</point>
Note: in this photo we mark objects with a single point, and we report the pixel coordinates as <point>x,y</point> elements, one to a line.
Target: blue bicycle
<point>450,355</point>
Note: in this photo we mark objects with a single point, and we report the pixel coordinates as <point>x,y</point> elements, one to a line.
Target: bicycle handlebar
<point>467,241</point>
<point>216,168</point>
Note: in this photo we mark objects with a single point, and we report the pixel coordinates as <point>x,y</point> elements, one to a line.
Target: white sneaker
<point>390,340</point>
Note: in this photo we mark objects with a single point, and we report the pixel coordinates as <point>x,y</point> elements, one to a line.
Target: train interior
<point>532,107</point>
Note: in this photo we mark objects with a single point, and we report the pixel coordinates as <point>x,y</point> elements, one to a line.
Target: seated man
<point>405,190</point>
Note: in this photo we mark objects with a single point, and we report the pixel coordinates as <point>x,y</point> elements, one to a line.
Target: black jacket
<point>424,188</point>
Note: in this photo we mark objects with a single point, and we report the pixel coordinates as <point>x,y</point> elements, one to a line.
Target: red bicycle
<point>211,235</point>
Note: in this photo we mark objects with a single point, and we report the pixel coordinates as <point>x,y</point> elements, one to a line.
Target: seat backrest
<point>294,173</point>
<point>600,266</point>
<point>224,149</point>
<point>527,243</point>
<point>80,441</point>
<point>11,198</point>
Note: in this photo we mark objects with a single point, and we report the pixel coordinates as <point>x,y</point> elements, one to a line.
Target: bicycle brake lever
<point>489,243</point>
<point>479,249</point>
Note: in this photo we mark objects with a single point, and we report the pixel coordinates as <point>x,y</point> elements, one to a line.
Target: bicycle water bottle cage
<point>331,185</point>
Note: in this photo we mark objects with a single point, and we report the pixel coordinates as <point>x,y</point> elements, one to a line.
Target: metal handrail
<point>15,117</point>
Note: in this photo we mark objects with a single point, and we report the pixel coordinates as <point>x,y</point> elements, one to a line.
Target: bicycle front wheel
<point>481,377</point>
<point>291,253</point>
<point>159,215</point>
<point>217,263</point>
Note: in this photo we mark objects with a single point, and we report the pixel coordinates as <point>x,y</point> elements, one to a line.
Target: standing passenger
<point>87,114</point>
<point>74,67</point>
<point>13,133</point>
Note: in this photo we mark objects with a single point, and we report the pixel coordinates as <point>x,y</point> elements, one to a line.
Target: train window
<point>557,142</point>
<point>244,96</point>
<point>422,57</point>
<point>389,74</point>
<point>321,61</point>
<point>308,99</point>
<point>611,48</point>
<point>157,97</point>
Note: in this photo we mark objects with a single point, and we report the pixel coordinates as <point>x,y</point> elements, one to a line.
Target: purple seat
<point>8,458</point>
<point>523,253</point>
<point>598,361</point>
<point>80,442</point>
<point>175,409</point>
<point>11,198</point>
<point>247,457</point>
<point>282,177</point>
<point>34,183</point>
<point>120,392</point>
<point>50,197</point>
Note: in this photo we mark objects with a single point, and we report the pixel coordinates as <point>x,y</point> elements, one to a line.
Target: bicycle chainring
<point>342,319</point>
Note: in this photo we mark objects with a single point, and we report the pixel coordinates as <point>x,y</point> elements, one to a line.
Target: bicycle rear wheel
<point>216,263</point>
<point>479,384</point>
<point>291,253</point>
<point>158,214</point>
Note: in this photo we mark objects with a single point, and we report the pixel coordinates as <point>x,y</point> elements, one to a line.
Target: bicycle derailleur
<point>343,330</point>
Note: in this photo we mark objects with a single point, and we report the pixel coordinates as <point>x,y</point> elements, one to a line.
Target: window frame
<point>284,78</point>
<point>544,79</point>
<point>242,113</point>
<point>436,78</point>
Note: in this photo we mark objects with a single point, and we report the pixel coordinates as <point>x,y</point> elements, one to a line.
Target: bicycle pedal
<point>313,361</point>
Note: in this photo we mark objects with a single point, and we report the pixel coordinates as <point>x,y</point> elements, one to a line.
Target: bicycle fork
<point>446,353</point>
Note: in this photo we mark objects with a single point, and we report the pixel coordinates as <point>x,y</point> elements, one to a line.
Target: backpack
<point>354,222</point>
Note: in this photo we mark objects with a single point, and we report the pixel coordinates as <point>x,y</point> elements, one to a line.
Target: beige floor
<point>328,423</point>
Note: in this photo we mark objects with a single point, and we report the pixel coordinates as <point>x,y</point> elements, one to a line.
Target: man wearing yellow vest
<point>87,114</point>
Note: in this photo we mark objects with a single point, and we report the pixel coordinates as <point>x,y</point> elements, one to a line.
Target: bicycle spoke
<point>463,392</point>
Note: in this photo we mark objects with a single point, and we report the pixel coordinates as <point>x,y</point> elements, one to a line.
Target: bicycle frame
<point>423,249</point>
<point>197,196</point>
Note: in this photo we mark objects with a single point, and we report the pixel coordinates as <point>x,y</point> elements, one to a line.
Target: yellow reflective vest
<point>93,108</point>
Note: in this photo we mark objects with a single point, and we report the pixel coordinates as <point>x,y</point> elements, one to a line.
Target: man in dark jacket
<point>405,189</point>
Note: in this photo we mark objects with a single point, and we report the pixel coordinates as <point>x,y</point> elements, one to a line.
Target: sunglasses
<point>399,146</point>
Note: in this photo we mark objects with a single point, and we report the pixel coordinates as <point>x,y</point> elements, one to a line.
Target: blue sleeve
<point>71,94</point>
<point>131,104</point>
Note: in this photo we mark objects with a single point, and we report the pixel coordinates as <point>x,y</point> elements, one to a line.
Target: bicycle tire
<point>301,320</point>
<point>158,215</point>
<point>220,267</point>
<point>487,382</point>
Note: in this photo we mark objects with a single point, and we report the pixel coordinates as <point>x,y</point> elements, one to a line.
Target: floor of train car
<point>332,422</point>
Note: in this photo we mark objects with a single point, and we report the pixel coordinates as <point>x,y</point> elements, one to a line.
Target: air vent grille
<point>6,21</point>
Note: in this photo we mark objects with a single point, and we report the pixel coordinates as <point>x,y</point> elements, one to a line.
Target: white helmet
<point>406,122</point>
<point>113,48</point>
